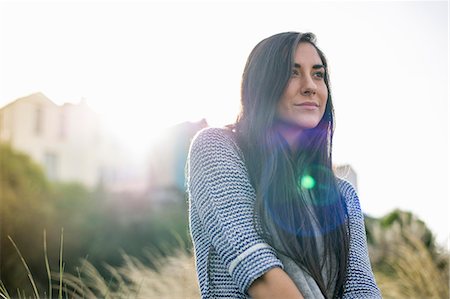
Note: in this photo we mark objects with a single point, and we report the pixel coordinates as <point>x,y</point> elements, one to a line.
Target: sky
<point>146,65</point>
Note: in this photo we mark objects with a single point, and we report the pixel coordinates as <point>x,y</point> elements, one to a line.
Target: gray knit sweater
<point>229,253</point>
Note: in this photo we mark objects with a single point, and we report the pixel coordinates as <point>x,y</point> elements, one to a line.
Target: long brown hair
<point>295,191</point>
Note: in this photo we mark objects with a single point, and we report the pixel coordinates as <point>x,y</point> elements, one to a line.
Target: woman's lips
<point>308,106</point>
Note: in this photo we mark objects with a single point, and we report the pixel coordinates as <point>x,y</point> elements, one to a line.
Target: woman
<point>268,217</point>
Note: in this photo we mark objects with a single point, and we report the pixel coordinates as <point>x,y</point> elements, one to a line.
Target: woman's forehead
<point>306,54</point>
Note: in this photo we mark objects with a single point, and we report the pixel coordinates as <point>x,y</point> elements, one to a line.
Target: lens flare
<point>307,182</point>
<point>319,204</point>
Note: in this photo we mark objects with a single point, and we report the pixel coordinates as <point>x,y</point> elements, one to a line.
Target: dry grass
<point>173,278</point>
<point>407,262</point>
<point>404,267</point>
<point>413,273</point>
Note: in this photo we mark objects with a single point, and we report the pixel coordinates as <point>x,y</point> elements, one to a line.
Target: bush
<point>97,225</point>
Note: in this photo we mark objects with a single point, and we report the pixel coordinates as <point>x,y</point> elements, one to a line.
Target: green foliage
<point>383,234</point>
<point>389,219</point>
<point>22,182</point>
<point>23,187</point>
<point>19,174</point>
<point>97,225</point>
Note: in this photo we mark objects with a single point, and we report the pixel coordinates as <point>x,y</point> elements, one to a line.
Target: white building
<point>168,157</point>
<point>66,140</point>
<point>347,172</point>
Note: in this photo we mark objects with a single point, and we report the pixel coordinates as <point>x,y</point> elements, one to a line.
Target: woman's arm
<point>360,283</point>
<point>222,201</point>
<point>274,284</point>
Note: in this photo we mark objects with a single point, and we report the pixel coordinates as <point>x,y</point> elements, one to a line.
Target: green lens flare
<point>307,182</point>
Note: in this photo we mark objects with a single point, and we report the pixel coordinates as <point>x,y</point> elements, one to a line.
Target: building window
<point>51,165</point>
<point>38,121</point>
<point>4,127</point>
<point>62,126</point>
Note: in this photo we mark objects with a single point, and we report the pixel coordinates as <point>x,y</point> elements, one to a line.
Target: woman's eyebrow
<point>316,66</point>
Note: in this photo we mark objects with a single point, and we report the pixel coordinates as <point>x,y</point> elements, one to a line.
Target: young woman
<point>268,217</point>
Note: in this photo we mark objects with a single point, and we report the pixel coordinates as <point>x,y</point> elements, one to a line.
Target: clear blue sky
<point>148,65</point>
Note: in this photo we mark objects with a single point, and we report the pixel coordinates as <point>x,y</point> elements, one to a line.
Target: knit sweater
<point>229,252</point>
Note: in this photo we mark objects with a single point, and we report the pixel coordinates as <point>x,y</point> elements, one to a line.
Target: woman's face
<point>303,102</point>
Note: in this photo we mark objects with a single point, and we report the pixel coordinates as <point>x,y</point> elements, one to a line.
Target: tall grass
<point>407,261</point>
<point>30,277</point>
<point>413,272</point>
<point>36,295</point>
<point>173,277</point>
<point>169,278</point>
<point>408,270</point>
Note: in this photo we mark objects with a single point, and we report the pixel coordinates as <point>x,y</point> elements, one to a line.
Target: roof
<point>37,97</point>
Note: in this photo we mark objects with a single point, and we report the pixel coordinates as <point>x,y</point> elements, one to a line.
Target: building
<point>347,172</point>
<point>67,140</point>
<point>168,157</point>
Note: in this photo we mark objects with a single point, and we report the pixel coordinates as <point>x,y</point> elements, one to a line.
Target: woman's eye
<point>295,72</point>
<point>319,75</point>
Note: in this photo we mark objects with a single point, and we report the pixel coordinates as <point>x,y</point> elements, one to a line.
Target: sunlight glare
<point>307,182</point>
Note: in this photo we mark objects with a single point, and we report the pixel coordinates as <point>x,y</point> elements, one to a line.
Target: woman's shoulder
<point>345,187</point>
<point>214,133</point>
<point>214,138</point>
<point>350,195</point>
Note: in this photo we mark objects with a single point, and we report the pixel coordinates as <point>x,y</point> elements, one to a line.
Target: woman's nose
<point>308,86</point>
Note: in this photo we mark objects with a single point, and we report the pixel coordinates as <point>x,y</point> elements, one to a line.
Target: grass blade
<point>4,292</point>
<point>61,266</point>
<point>139,288</point>
<point>47,266</point>
<point>36,293</point>
<point>79,271</point>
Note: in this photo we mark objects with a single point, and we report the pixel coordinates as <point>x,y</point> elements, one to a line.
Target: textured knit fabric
<point>229,252</point>
<point>308,286</point>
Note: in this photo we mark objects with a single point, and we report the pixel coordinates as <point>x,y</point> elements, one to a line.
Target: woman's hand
<point>274,284</point>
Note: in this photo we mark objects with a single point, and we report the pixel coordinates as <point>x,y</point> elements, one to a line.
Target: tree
<point>23,186</point>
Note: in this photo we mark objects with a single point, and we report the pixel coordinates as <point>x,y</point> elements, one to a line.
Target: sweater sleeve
<point>220,190</point>
<point>360,282</point>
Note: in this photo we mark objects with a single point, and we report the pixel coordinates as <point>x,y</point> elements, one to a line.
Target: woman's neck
<point>291,134</point>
